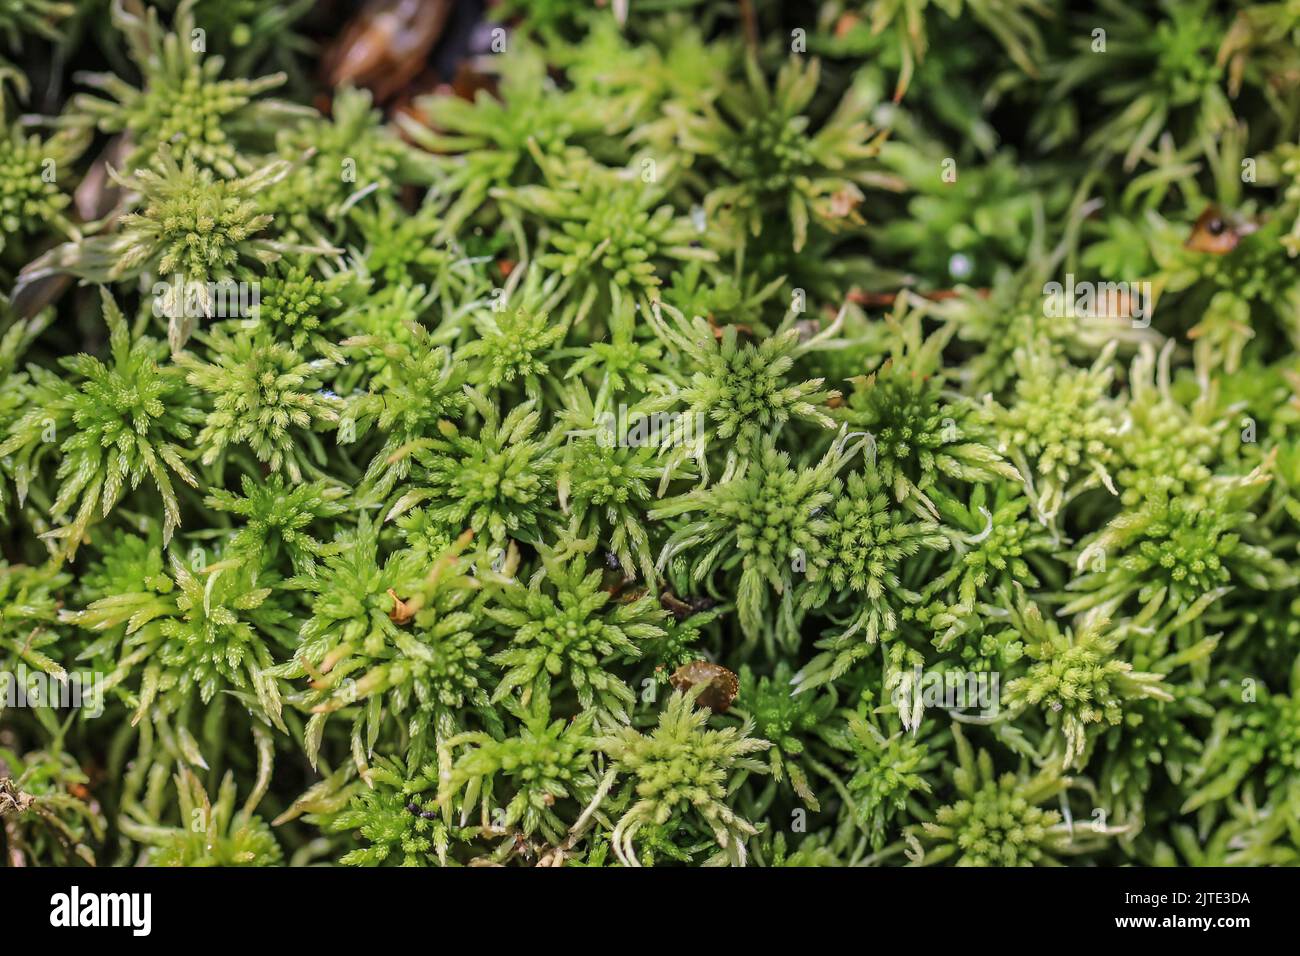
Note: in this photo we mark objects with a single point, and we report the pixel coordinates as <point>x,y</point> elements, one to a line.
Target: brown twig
<point>750,22</point>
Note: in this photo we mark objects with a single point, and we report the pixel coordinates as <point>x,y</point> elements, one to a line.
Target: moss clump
<point>695,433</point>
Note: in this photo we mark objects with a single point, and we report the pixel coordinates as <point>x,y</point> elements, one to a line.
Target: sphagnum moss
<point>602,468</point>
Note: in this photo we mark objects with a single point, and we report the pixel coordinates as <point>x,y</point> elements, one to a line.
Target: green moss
<point>640,448</point>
